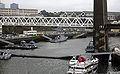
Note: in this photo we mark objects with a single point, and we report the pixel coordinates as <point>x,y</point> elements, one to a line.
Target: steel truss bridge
<point>46,21</point>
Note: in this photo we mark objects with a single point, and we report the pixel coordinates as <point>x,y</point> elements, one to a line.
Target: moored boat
<point>23,45</point>
<point>4,55</point>
<point>82,65</point>
<point>32,45</point>
<point>59,38</point>
<point>90,47</point>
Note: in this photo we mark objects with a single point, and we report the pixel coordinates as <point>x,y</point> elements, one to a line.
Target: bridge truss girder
<point>47,21</point>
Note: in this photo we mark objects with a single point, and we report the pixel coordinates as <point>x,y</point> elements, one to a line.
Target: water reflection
<point>102,67</point>
<point>116,66</point>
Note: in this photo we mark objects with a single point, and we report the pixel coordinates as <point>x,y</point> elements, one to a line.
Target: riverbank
<point>39,38</point>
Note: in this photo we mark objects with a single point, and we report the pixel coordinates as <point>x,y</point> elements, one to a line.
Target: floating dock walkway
<point>37,56</point>
<point>55,57</point>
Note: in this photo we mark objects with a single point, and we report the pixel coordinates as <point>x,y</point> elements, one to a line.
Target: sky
<point>61,5</point>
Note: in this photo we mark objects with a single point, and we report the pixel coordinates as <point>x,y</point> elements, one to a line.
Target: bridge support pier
<point>0,29</point>
<point>100,37</point>
<point>100,29</point>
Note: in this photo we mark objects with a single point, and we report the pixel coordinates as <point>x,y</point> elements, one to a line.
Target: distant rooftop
<point>19,9</point>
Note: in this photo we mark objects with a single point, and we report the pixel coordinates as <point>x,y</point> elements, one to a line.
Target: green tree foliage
<point>50,14</point>
<point>8,29</point>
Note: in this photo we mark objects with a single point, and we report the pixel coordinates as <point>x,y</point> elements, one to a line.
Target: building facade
<point>111,15</point>
<point>77,14</point>
<point>2,5</point>
<point>15,12</point>
<point>14,5</point>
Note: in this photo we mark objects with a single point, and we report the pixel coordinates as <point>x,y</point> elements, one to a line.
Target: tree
<point>50,14</point>
<point>43,12</point>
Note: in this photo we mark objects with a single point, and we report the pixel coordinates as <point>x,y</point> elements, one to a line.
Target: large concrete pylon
<point>100,37</point>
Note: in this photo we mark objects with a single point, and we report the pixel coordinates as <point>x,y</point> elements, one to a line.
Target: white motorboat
<point>80,65</point>
<point>32,45</point>
<point>4,55</point>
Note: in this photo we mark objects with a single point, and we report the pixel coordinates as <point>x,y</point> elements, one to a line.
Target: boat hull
<point>91,71</point>
<point>61,39</point>
<point>5,57</point>
<point>103,57</point>
<point>115,58</point>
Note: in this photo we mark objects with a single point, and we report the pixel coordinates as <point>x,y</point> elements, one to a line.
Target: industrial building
<point>15,12</point>
<point>2,5</point>
<point>14,5</point>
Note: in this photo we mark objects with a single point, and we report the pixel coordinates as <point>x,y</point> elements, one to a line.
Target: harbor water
<point>19,65</point>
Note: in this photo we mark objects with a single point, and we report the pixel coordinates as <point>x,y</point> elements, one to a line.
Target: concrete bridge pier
<point>100,29</point>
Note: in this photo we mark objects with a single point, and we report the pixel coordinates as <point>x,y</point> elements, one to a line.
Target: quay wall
<point>16,40</point>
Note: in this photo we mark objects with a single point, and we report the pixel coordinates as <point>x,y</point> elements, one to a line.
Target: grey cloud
<point>62,5</point>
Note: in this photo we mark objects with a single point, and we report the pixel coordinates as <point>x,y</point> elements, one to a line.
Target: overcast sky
<point>61,5</point>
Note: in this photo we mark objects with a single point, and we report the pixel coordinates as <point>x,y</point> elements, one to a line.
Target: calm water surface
<point>17,65</point>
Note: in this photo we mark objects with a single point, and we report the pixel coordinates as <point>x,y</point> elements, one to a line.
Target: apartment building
<point>13,12</point>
